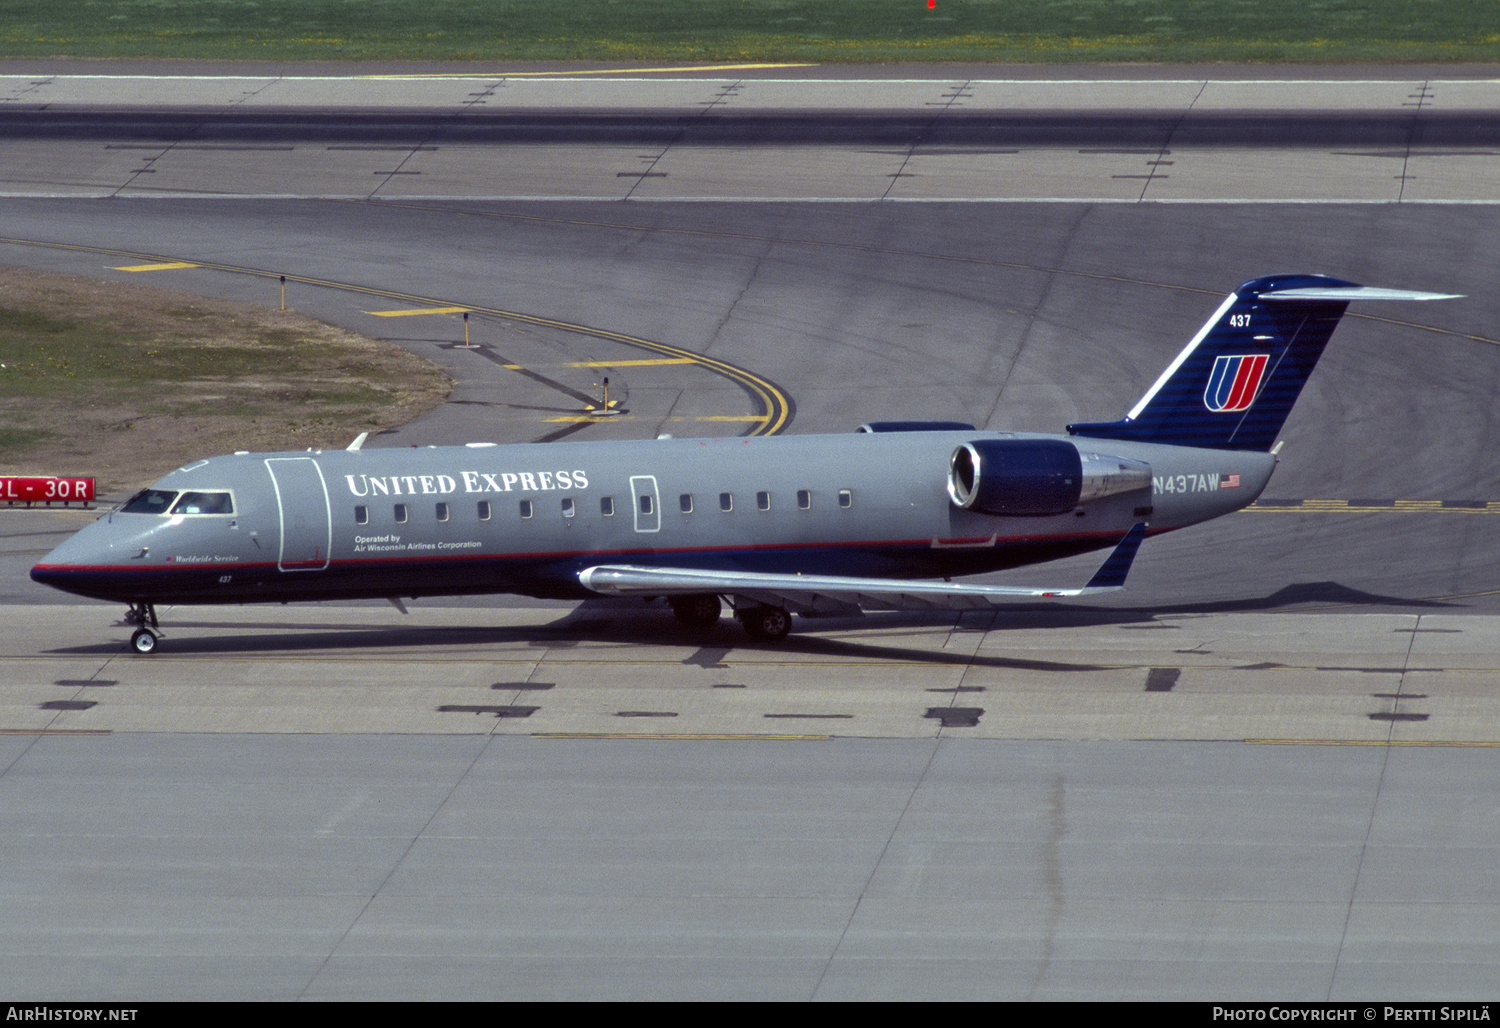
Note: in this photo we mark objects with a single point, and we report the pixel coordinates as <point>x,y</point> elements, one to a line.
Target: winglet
<point>1111,575</point>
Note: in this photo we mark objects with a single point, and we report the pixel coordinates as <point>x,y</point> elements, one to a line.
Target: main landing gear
<point>699,613</point>
<point>144,639</point>
<point>762,622</point>
<point>767,624</point>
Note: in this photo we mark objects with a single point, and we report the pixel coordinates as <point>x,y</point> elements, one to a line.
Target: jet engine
<point>1037,477</point>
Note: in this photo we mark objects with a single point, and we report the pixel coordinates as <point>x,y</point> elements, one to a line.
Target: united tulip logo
<point>1234,382</point>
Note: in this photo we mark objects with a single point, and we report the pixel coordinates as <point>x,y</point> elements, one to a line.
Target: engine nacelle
<point>1016,476</point>
<point>1037,477</point>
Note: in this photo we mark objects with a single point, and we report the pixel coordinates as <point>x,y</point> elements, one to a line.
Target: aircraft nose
<point>48,573</point>
<point>62,566</point>
<point>79,564</point>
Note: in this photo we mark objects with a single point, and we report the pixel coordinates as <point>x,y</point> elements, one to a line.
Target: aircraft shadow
<point>641,623</point>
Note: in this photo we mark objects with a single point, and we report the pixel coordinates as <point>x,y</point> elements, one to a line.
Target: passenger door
<point>645,502</point>
<point>306,515</point>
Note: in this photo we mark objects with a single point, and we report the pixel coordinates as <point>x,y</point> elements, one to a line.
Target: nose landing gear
<point>144,639</point>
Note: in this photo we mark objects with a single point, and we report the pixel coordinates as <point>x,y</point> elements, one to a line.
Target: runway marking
<point>776,405</point>
<point>163,266</point>
<point>414,312</point>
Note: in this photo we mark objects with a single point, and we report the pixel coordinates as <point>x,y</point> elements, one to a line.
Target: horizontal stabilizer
<point>835,592</point>
<point>1348,293</point>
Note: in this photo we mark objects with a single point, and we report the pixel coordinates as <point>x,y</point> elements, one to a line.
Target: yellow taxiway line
<point>419,310</point>
<point>163,266</point>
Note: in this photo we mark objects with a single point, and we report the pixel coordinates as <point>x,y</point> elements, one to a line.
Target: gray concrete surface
<point>1199,138</point>
<point>185,866</point>
<point>275,807</point>
<point>617,668</point>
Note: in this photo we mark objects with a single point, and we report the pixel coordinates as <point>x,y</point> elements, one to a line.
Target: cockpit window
<point>149,501</point>
<point>204,503</point>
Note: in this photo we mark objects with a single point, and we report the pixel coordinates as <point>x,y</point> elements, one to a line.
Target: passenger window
<point>685,503</point>
<point>361,515</point>
<point>442,512</point>
<point>400,513</point>
<point>567,506</point>
<point>204,503</point>
<point>804,499</point>
<point>484,510</point>
<point>646,504</point>
<point>525,508</point>
<point>607,506</point>
<point>726,501</point>
<point>149,501</point>
<point>846,498</point>
<point>763,501</point>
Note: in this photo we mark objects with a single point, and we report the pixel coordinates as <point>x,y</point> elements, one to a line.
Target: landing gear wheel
<point>143,641</point>
<point>700,613</point>
<point>770,624</point>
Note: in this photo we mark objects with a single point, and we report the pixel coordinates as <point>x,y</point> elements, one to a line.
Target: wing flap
<point>835,592</point>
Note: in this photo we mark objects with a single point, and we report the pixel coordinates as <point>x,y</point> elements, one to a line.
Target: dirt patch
<point>123,382</point>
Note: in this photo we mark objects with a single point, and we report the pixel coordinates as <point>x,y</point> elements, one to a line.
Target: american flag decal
<point>1234,382</point>
<point>1229,481</point>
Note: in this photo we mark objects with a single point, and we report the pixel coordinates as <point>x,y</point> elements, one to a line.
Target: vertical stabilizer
<point>1234,385</point>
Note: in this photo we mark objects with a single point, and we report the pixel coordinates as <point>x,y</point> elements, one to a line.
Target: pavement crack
<point>396,864</point>
<point>950,100</point>
<point>874,868</point>
<point>1052,877</point>
<point>1166,146</point>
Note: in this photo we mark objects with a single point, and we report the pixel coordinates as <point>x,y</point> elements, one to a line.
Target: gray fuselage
<point>528,518</point>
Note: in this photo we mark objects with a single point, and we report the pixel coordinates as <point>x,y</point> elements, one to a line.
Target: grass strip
<point>1047,31</point>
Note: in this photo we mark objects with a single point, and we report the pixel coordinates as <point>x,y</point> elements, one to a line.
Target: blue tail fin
<point>1235,383</point>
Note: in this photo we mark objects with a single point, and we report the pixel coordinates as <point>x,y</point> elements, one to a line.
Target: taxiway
<point>1262,774</point>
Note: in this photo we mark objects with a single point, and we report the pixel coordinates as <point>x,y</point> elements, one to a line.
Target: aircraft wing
<point>835,592</point>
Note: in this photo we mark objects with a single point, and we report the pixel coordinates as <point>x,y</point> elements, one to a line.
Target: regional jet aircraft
<point>882,518</point>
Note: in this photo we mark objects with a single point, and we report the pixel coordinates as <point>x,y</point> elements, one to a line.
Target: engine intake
<point>1016,476</point>
<point>1038,477</point>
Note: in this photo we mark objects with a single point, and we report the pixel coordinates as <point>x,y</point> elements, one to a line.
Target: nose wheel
<point>145,638</point>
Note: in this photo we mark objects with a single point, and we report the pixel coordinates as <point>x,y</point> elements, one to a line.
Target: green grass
<point>49,356</point>
<point>698,31</point>
<point>17,440</point>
